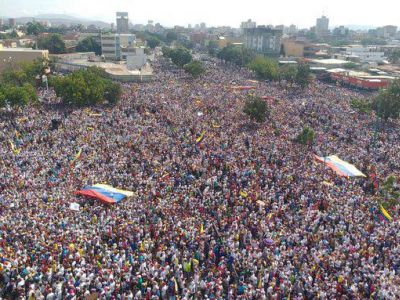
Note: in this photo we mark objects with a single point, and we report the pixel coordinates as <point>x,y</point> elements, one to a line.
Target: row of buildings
<point>11,22</point>
<point>123,56</point>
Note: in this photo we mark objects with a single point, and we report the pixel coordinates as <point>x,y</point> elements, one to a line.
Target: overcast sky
<point>217,12</point>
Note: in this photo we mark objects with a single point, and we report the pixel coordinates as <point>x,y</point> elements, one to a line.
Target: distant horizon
<point>214,13</point>
<point>86,19</point>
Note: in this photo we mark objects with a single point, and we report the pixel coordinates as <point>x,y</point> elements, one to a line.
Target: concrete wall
<point>136,60</point>
<point>14,57</point>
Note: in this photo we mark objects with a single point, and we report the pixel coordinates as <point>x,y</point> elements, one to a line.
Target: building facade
<point>137,59</point>
<point>341,31</point>
<point>116,46</point>
<point>14,56</point>
<point>299,48</point>
<point>366,54</point>
<point>12,22</point>
<point>263,40</point>
<point>388,31</point>
<point>322,27</point>
<point>122,22</point>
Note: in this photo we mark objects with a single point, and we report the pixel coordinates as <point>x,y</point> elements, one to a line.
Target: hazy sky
<point>217,12</point>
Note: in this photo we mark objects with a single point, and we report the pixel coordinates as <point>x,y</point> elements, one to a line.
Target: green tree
<point>306,136</point>
<point>23,73</point>
<point>34,28</point>
<point>265,68</point>
<point>2,98</point>
<point>387,103</point>
<point>13,34</point>
<point>153,42</point>
<point>303,76</point>
<point>236,54</point>
<point>394,56</point>
<point>288,73</point>
<point>89,44</point>
<point>194,68</point>
<point>311,35</point>
<point>17,95</point>
<point>171,36</point>
<point>180,56</point>
<point>389,192</point>
<point>360,105</point>
<point>212,48</point>
<point>166,51</point>
<point>52,42</point>
<point>86,87</point>
<point>147,51</point>
<point>350,65</point>
<point>112,92</point>
<point>256,108</point>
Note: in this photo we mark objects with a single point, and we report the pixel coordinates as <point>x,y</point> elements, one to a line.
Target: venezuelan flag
<point>341,167</point>
<point>13,148</point>
<point>200,137</point>
<point>386,214</point>
<point>105,193</point>
<point>77,156</point>
<point>201,228</point>
<point>175,285</point>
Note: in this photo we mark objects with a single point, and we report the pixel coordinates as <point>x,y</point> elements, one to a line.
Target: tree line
<point>81,88</point>
<point>265,68</point>
<point>86,87</point>
<point>182,58</point>
<point>17,84</point>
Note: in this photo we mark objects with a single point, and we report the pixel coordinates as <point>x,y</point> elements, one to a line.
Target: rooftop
<point>21,50</point>
<point>329,61</point>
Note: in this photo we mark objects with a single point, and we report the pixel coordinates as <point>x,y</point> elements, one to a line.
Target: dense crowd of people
<point>244,212</point>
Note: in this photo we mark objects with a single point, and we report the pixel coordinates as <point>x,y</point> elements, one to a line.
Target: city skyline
<point>213,13</point>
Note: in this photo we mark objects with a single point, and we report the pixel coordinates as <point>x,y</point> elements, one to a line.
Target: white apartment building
<point>365,54</point>
<point>116,46</point>
<point>322,26</point>
<point>247,25</point>
<point>137,59</point>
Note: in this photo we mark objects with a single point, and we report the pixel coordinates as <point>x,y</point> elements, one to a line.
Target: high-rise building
<point>322,26</point>
<point>340,31</point>
<point>247,24</point>
<point>292,29</point>
<point>388,31</point>
<point>150,26</point>
<point>263,40</point>
<point>1,22</point>
<point>12,22</point>
<point>122,22</point>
